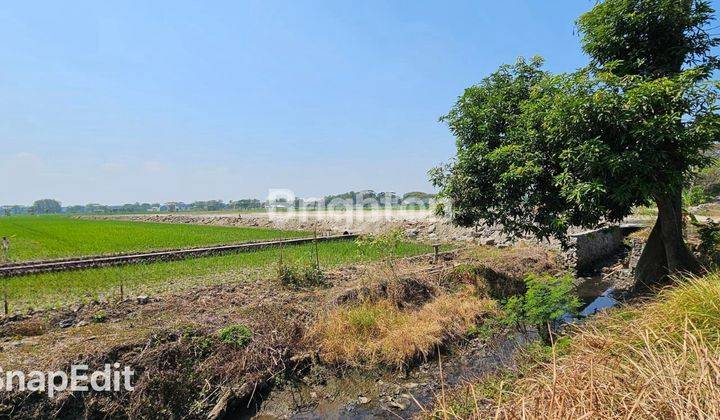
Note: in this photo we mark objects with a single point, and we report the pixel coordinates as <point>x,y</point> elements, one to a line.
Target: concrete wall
<point>593,246</point>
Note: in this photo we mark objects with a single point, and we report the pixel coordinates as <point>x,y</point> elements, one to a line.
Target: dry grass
<point>515,262</point>
<point>379,333</point>
<point>657,360</point>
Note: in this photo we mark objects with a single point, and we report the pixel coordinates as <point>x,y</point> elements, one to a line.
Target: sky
<point>123,101</point>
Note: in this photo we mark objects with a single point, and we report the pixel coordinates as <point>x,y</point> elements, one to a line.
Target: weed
<point>363,319</point>
<point>100,316</point>
<point>238,335</point>
<point>485,330</point>
<point>654,360</point>
<point>302,277</point>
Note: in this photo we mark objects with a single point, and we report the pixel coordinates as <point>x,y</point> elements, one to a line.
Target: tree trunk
<point>665,252</point>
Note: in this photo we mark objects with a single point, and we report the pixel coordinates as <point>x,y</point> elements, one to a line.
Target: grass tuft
<point>379,333</point>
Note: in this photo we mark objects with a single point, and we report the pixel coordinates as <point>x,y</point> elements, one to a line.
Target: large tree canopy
<point>648,37</point>
<point>539,153</point>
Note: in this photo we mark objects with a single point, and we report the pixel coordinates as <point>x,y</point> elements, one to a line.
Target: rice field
<point>42,237</point>
<point>59,289</point>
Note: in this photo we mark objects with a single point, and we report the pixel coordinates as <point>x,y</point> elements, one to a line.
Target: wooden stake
<point>6,259</point>
<point>317,255</point>
<point>5,297</point>
<point>436,247</point>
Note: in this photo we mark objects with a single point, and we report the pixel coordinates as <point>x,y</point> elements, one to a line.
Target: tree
<point>46,206</point>
<point>539,153</point>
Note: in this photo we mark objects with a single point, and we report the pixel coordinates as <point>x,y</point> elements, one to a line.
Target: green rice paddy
<point>42,237</point>
<point>71,287</point>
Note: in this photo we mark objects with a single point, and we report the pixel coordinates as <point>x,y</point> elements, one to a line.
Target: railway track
<point>79,263</point>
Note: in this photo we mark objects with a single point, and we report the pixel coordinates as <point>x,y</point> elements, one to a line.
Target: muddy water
<point>358,394</point>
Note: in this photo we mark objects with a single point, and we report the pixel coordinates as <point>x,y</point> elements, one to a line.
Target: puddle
<point>602,302</point>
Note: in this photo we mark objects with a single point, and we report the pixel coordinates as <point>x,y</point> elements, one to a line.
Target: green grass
<point>43,237</point>
<point>65,288</point>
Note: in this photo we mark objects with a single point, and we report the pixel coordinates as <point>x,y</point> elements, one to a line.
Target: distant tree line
<point>366,198</point>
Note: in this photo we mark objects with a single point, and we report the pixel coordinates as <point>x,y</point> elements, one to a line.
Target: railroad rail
<point>66,264</point>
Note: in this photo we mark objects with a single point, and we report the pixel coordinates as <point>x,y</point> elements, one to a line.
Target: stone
<point>398,405</point>
<point>363,400</point>
<point>67,323</point>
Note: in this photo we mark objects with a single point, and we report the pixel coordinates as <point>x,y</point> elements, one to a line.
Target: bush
<point>238,335</point>
<point>545,302</point>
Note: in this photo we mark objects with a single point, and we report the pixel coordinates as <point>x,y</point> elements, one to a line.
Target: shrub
<point>301,277</point>
<point>709,247</point>
<point>286,274</point>
<point>238,335</point>
<point>695,195</point>
<point>709,180</point>
<point>545,302</point>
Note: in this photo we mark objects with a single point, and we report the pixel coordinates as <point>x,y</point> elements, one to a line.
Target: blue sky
<point>123,101</point>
